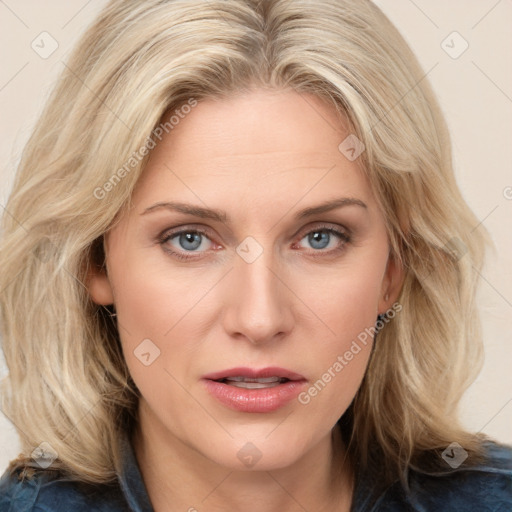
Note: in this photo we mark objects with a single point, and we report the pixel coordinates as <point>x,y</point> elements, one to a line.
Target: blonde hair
<point>68,383</point>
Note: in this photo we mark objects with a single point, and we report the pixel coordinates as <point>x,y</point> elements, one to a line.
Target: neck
<point>177,478</point>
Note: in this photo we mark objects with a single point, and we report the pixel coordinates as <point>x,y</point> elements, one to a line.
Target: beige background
<point>475,91</point>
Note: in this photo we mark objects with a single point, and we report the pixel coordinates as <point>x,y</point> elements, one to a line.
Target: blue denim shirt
<point>484,488</point>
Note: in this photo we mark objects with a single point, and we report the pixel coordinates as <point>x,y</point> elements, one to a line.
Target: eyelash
<point>166,236</point>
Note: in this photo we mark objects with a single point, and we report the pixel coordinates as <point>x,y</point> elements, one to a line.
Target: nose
<point>259,306</point>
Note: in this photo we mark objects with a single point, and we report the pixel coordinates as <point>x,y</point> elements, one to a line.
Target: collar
<point>130,479</point>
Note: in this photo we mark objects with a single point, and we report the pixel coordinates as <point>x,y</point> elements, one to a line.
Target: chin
<point>260,451</point>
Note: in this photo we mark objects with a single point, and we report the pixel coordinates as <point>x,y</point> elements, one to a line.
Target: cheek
<point>151,299</point>
<point>146,311</point>
<point>160,311</point>
<point>151,318</point>
<point>347,305</point>
<point>346,300</point>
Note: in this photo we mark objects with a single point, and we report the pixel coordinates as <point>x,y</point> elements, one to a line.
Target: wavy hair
<point>68,384</point>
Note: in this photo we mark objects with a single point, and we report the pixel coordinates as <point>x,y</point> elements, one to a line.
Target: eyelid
<point>318,226</point>
<point>168,233</point>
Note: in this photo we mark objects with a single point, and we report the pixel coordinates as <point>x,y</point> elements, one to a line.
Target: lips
<point>252,390</point>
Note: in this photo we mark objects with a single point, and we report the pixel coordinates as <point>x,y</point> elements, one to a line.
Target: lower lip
<point>254,400</point>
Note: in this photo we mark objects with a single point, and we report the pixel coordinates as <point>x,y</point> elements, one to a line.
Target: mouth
<point>251,390</point>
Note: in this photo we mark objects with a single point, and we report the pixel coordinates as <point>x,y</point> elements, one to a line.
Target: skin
<point>262,157</point>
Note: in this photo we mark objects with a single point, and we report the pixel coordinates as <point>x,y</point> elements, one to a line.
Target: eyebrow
<point>222,216</point>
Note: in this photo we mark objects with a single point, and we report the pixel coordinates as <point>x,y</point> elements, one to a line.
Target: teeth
<point>250,379</point>
<point>252,383</point>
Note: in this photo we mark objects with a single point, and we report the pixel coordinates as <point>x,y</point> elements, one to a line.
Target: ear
<point>97,281</point>
<point>391,283</point>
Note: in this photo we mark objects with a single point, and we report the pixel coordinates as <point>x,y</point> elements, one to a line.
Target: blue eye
<point>326,238</point>
<point>319,242</point>
<point>188,240</point>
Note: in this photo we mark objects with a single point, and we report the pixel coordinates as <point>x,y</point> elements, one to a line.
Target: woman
<point>247,280</point>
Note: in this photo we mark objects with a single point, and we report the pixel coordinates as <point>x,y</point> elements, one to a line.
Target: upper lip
<point>254,373</point>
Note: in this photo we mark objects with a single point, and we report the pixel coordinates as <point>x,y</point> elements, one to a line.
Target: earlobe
<point>98,282</point>
<point>391,284</point>
<point>99,287</point>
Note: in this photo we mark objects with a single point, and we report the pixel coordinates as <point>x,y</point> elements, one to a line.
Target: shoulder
<point>46,491</point>
<point>485,487</point>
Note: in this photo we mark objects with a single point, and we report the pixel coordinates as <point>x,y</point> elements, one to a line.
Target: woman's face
<point>267,271</point>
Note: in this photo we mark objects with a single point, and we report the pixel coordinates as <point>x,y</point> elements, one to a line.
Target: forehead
<point>271,144</point>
